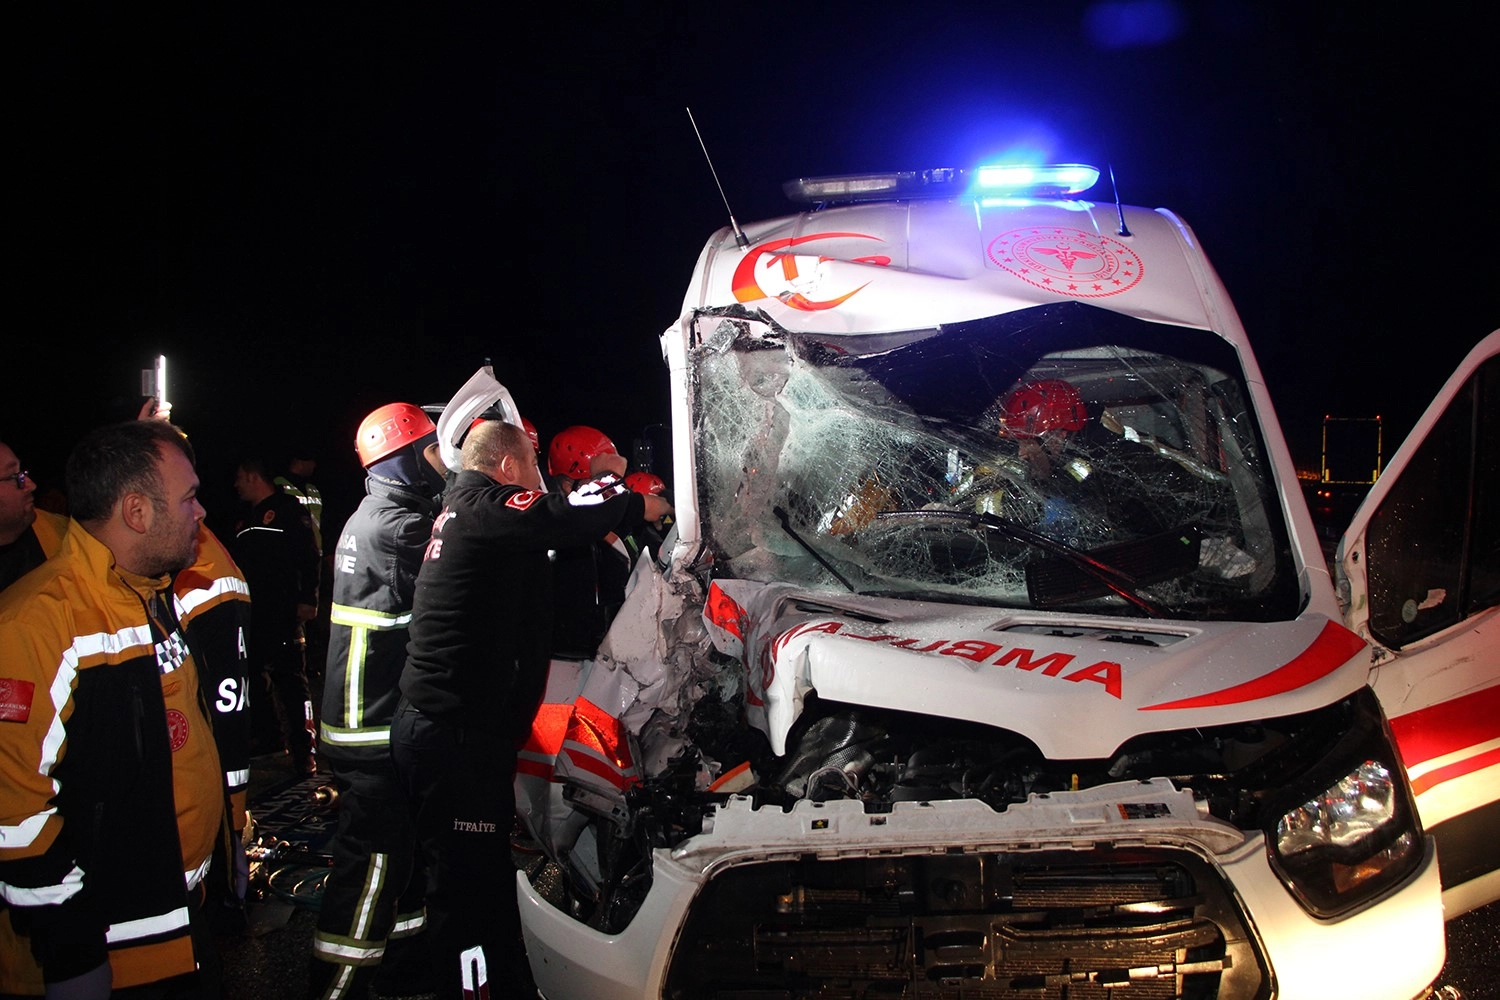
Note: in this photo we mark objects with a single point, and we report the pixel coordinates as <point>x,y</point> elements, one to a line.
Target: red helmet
<point>573,448</point>
<point>387,429</point>
<point>1033,408</point>
<point>646,483</point>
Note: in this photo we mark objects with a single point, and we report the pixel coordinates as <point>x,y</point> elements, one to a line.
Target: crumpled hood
<point>1077,686</point>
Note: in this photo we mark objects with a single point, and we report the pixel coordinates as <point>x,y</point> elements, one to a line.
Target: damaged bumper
<point>1070,894</point>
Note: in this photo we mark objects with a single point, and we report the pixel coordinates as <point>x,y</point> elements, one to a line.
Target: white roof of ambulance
<point>887,266</point>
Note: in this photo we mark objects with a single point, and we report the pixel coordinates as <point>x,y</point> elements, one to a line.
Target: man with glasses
<point>28,536</point>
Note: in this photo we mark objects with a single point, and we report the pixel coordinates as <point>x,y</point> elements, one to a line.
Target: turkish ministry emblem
<point>15,699</point>
<point>177,729</point>
<point>1067,261</point>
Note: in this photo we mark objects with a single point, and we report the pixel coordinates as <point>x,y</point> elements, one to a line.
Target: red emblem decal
<point>268,517</point>
<point>781,271</point>
<point>523,499</point>
<point>177,729</point>
<point>1067,261</point>
<point>15,699</point>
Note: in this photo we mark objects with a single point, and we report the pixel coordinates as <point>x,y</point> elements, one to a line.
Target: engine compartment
<point>1240,774</point>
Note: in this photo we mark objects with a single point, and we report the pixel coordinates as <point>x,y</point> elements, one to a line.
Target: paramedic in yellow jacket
<point>215,613</point>
<point>112,798</point>
<point>214,596</point>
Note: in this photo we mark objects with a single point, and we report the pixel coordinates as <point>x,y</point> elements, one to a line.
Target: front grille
<point>1057,925</point>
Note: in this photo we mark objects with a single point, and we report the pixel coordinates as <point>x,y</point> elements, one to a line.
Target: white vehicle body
<point>871,729</point>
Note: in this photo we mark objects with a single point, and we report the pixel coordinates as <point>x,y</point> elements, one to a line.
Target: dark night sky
<point>314,211</point>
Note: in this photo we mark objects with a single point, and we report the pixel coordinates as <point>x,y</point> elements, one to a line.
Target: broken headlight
<point>1351,840</point>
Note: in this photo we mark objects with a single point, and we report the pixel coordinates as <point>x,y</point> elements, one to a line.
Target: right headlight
<point>1355,837</point>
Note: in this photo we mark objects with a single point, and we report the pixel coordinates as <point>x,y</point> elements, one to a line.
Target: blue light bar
<point>1055,181</point>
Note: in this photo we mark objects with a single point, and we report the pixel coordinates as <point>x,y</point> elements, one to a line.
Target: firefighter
<point>1041,417</point>
<point>1034,480</point>
<point>475,671</point>
<point>590,578</point>
<point>571,455</point>
<point>648,536</point>
<point>1067,486</point>
<point>372,906</point>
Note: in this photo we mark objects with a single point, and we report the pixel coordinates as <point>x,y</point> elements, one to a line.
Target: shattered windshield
<point>1058,457</point>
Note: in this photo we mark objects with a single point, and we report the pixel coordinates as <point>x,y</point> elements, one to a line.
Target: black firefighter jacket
<point>375,563</point>
<point>482,616</point>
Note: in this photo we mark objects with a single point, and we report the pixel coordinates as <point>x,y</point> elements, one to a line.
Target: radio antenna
<point>739,234</point>
<point>1123,230</point>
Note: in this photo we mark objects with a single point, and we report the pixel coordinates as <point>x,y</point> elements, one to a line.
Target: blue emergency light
<point>997,180</point>
<point>1056,180</point>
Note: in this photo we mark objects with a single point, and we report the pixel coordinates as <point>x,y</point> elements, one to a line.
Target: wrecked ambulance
<point>993,654</point>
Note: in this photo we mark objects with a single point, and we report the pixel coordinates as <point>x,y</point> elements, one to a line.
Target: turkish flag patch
<point>15,699</point>
<point>523,499</point>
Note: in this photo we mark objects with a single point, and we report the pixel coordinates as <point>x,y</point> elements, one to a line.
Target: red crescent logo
<point>746,286</point>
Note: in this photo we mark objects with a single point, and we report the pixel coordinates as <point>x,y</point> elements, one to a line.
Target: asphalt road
<point>1474,954</point>
<point>269,960</point>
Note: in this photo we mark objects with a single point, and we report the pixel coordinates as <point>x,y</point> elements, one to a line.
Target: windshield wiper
<point>1111,578</point>
<point>786,525</point>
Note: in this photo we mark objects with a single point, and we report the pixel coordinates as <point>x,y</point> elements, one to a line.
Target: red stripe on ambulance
<point>1333,647</point>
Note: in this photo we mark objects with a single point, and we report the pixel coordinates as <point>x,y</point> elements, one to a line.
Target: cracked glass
<point>1062,456</point>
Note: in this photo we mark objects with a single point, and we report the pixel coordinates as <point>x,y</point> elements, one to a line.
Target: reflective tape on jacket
<point>343,614</point>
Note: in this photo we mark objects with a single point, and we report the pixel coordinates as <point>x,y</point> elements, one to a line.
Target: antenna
<point>1123,230</point>
<point>739,234</point>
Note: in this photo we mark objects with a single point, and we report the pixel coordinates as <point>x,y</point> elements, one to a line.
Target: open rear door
<point>1421,563</point>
